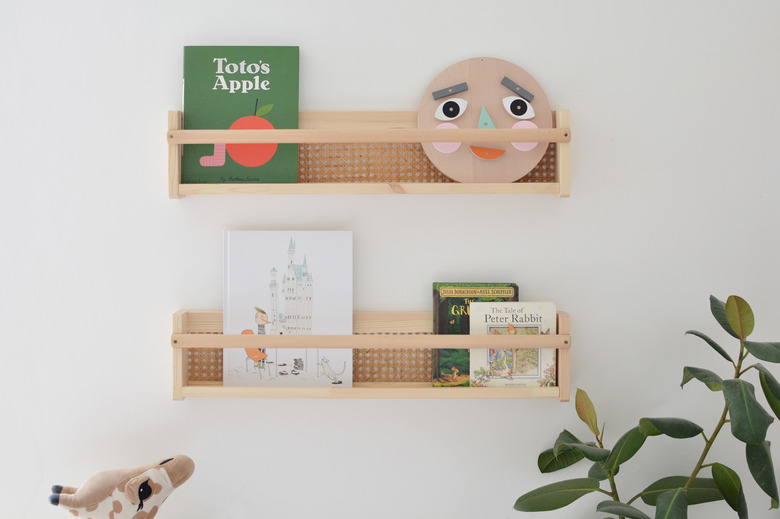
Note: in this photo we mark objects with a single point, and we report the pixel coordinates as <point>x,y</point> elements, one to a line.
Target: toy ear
<point>132,486</point>
<point>139,490</point>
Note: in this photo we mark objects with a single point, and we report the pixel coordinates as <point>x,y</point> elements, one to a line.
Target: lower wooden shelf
<point>376,331</point>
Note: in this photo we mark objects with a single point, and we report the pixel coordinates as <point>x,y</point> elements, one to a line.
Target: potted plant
<point>708,480</point>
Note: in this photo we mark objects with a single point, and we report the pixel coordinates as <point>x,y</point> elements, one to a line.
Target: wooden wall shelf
<point>371,127</point>
<point>375,330</point>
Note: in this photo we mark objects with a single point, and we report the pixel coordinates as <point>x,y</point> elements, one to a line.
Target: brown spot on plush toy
<point>134,493</point>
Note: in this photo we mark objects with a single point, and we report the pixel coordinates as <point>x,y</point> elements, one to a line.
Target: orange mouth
<point>486,153</point>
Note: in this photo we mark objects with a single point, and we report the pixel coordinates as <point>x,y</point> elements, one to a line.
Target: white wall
<point>674,109</point>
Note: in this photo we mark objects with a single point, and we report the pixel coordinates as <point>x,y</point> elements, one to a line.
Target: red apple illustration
<point>253,154</point>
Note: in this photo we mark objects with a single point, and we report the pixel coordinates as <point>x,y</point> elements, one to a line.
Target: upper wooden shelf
<point>371,330</point>
<point>371,127</point>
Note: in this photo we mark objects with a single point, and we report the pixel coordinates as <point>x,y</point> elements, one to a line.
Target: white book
<point>287,283</point>
<point>497,367</point>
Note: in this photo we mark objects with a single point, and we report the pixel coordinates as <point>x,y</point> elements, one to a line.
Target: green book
<point>240,88</point>
<point>451,317</point>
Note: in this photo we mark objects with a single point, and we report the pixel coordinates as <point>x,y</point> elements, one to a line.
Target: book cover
<point>451,316</point>
<point>287,283</point>
<point>240,88</point>
<point>497,367</point>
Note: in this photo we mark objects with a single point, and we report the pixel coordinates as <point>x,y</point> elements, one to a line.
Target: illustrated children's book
<point>497,367</point>
<point>243,88</point>
<point>451,316</point>
<point>287,283</point>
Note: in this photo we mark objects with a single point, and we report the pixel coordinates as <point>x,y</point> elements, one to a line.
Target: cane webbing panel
<point>392,365</point>
<point>204,364</point>
<point>380,162</point>
<point>369,365</point>
<point>401,365</point>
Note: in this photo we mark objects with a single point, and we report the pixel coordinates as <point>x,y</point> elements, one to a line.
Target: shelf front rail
<point>376,330</point>
<point>369,127</point>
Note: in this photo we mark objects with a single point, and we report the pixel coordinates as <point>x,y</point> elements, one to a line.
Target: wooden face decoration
<point>484,93</point>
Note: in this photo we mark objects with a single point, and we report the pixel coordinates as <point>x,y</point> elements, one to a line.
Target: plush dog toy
<point>126,493</point>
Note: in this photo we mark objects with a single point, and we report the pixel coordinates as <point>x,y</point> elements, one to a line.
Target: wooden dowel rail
<point>369,341</point>
<point>304,136</point>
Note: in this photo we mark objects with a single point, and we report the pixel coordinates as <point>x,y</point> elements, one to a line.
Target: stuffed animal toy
<point>126,493</point>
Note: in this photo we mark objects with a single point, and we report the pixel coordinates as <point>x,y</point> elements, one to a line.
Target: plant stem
<point>723,420</point>
<point>612,485</point>
<point>707,447</point>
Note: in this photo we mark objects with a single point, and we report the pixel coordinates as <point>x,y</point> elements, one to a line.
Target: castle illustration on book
<point>297,289</point>
<point>268,292</point>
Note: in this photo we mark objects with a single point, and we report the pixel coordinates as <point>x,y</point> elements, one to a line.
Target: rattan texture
<point>369,365</point>
<point>392,365</point>
<point>204,364</point>
<point>380,162</point>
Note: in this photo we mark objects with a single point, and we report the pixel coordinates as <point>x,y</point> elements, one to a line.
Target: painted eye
<point>144,493</point>
<point>451,109</point>
<point>518,107</point>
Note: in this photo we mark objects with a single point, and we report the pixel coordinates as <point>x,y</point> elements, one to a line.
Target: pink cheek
<point>447,147</point>
<point>524,125</point>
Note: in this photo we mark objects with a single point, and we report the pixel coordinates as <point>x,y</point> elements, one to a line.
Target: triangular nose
<point>485,122</point>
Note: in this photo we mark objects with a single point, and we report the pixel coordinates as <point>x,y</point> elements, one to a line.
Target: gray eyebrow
<point>454,89</point>
<point>517,89</point>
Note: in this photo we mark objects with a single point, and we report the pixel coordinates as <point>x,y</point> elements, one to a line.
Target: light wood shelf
<point>370,127</point>
<point>376,330</point>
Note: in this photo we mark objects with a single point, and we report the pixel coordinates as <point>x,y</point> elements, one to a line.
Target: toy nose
<point>485,122</point>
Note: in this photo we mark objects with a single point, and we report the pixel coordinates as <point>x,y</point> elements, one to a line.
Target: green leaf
<point>591,452</point>
<point>672,427</point>
<point>264,110</point>
<point>709,378</point>
<point>749,421</point>
<point>555,495</point>
<point>759,460</point>
<point>771,388</point>
<point>714,345</point>
<point>740,316</point>
<point>586,411</point>
<point>766,351</point>
<point>718,309</point>
<point>672,505</point>
<point>703,490</point>
<point>730,487</point>
<point>566,437</point>
<point>621,509</point>
<point>549,462</point>
<point>567,441</point>
<point>625,448</point>
<point>596,471</point>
